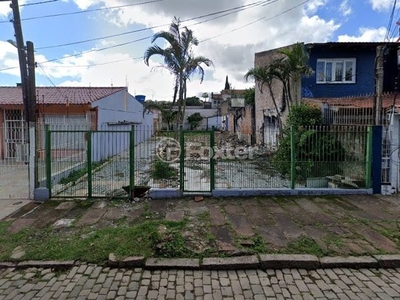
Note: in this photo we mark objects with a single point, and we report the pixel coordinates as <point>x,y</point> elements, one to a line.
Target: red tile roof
<point>58,95</point>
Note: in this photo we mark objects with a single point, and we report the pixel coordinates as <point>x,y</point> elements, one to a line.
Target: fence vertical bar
<point>132,163</point>
<point>368,158</point>
<point>212,161</point>
<point>89,163</point>
<point>48,158</point>
<point>292,159</point>
<point>181,159</point>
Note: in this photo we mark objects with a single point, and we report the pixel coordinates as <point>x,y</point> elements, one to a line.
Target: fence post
<point>132,163</point>
<point>212,161</point>
<point>292,159</point>
<point>89,163</point>
<point>368,158</point>
<point>48,158</point>
<point>376,145</point>
<point>181,159</point>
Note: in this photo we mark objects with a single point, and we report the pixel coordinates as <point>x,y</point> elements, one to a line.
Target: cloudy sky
<point>101,42</point>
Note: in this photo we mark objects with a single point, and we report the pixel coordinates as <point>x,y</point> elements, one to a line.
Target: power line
<point>388,31</point>
<point>141,39</point>
<point>85,11</point>
<point>37,3</point>
<point>227,11</point>
<point>258,20</point>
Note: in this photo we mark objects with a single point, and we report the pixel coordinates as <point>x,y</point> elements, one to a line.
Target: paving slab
<point>376,239</point>
<point>11,206</point>
<point>175,215</point>
<point>92,216</point>
<point>241,225</point>
<point>289,228</point>
<point>216,216</point>
<point>273,236</point>
<point>21,224</point>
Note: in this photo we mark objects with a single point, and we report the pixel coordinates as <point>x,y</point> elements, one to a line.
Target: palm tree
<point>179,60</point>
<point>294,66</point>
<point>265,76</point>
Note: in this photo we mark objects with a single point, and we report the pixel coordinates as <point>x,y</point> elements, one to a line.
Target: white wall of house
<point>118,112</point>
<point>204,112</point>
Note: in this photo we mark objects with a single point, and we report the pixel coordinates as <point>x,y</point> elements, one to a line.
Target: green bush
<point>162,170</point>
<point>317,153</point>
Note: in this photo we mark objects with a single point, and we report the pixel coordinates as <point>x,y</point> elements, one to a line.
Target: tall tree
<point>179,60</point>
<point>264,76</point>
<point>293,67</point>
<point>227,85</point>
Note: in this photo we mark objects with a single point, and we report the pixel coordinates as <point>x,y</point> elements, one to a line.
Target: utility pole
<point>378,84</point>
<point>31,89</point>
<point>27,69</point>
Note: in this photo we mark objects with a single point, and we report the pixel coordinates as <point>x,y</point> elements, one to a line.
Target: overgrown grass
<point>304,245</point>
<point>94,246</point>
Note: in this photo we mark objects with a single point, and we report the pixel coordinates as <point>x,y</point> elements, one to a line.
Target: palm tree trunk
<point>276,106</point>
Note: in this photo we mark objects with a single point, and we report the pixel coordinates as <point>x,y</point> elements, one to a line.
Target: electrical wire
<point>148,37</point>
<point>225,12</point>
<point>258,20</point>
<point>85,11</point>
<point>37,3</point>
<point>390,21</point>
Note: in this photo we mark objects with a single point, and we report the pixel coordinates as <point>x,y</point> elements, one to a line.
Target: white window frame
<point>334,63</point>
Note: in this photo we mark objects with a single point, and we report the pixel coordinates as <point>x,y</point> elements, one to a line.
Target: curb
<point>263,261</point>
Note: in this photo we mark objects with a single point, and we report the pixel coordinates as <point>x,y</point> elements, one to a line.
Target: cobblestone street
<point>96,282</point>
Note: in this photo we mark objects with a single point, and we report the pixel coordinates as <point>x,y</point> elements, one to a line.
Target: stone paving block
<point>280,261</point>
<point>388,261</point>
<point>356,262</point>
<point>172,263</point>
<point>230,263</point>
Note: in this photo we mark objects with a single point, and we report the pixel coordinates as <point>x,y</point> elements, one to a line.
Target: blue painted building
<point>347,69</point>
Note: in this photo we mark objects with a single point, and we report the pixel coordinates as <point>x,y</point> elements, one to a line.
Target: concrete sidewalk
<point>11,206</point>
<point>328,226</point>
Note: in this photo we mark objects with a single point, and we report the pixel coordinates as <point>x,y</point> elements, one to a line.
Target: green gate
<point>90,164</point>
<point>196,161</point>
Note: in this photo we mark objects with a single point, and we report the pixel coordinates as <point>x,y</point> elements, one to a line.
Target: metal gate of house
<point>14,147</point>
<point>197,163</point>
<point>93,164</point>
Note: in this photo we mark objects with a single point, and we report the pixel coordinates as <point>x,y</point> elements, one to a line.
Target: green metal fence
<point>331,156</point>
<point>110,163</point>
<point>93,164</point>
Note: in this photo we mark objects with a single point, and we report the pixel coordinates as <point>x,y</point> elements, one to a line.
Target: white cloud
<point>381,5</point>
<point>237,38</point>
<point>5,9</point>
<point>366,35</point>
<point>313,6</point>
<point>345,8</point>
<point>84,4</point>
